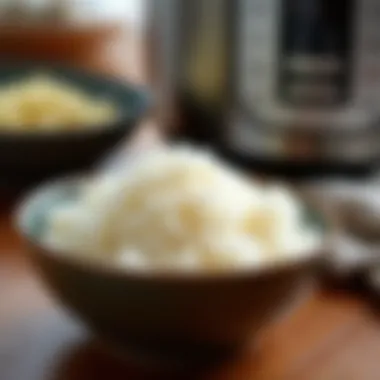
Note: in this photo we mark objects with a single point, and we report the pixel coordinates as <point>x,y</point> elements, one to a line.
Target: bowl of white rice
<point>56,120</point>
<point>176,254</point>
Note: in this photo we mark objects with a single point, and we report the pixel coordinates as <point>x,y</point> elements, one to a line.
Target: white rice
<point>181,209</point>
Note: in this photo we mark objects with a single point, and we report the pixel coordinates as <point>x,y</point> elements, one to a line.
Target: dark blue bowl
<point>29,157</point>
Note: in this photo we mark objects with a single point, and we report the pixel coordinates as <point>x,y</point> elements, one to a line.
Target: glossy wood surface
<point>331,336</point>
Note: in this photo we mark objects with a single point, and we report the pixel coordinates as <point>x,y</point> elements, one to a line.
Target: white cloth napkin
<point>354,207</point>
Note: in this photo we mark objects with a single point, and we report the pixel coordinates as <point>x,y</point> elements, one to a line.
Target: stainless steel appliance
<point>289,82</point>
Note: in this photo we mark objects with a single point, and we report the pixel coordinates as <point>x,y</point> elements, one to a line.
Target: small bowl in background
<point>170,315</point>
<point>30,157</point>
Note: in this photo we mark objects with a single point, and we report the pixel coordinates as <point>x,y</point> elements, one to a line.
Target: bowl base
<point>172,358</point>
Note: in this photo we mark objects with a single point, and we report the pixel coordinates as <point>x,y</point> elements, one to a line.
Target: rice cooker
<point>284,83</point>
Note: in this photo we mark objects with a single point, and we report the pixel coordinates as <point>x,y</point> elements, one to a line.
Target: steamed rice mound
<point>181,209</point>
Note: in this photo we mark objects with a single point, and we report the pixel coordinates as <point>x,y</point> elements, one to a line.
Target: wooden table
<point>332,336</point>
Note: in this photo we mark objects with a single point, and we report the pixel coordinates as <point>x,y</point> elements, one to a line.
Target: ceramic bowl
<point>30,157</point>
<point>171,314</point>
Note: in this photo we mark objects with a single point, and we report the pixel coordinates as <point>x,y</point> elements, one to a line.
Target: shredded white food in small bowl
<point>46,104</point>
<point>181,209</point>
